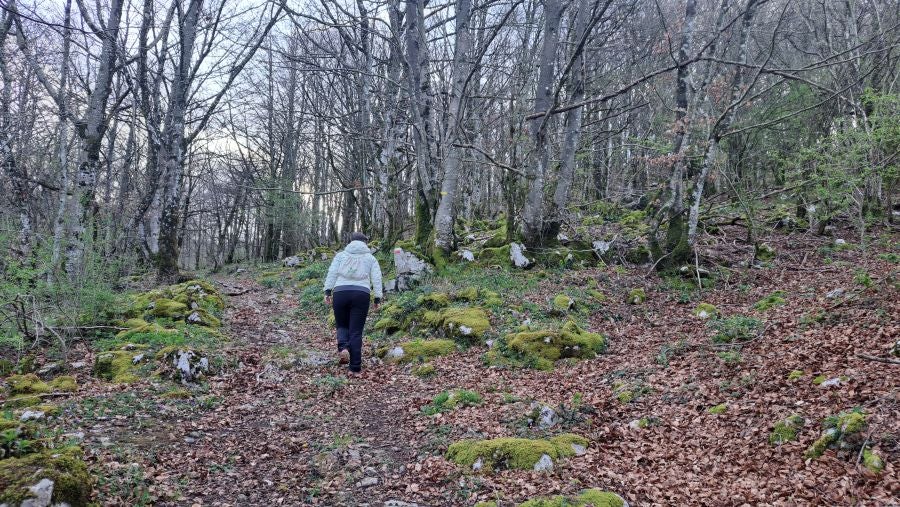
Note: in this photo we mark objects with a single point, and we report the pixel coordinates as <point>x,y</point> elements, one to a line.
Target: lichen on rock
<point>513,453</point>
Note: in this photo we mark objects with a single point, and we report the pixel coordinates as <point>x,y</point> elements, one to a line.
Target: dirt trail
<point>281,424</point>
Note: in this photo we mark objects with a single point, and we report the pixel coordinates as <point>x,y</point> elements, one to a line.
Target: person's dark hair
<point>358,236</point>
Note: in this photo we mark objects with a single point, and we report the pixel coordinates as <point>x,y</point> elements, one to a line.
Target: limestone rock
<point>466,255</point>
<point>517,255</point>
<point>544,464</point>
<point>291,262</point>
<point>43,494</point>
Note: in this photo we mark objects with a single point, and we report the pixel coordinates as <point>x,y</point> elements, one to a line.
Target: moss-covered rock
<point>195,299</point>
<point>764,252</point>
<point>636,296</point>
<point>842,431</point>
<point>27,384</point>
<point>145,333</point>
<point>872,461</point>
<point>513,453</point>
<point>434,301</point>
<point>388,325</point>
<point>705,311</point>
<point>795,375</point>
<point>119,366</point>
<point>786,430</point>
<point>563,303</point>
<point>27,390</point>
<point>71,482</point>
<point>469,294</point>
<point>495,256</point>
<point>544,347</point>
<point>465,323</point>
<point>590,497</point>
<point>417,350</point>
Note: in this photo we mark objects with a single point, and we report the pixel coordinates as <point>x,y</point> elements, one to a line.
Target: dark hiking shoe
<point>344,356</point>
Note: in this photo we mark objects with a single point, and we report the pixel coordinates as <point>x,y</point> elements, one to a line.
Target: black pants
<point>350,310</point>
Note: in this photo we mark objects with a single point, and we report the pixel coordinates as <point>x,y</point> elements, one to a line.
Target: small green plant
<point>730,356</point>
<point>772,300</point>
<point>861,277</point>
<point>668,351</point>
<point>737,328</point>
<point>330,384</point>
<point>719,409</point>
<point>446,401</point>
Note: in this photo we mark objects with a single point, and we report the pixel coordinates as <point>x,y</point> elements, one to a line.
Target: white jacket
<point>355,265</point>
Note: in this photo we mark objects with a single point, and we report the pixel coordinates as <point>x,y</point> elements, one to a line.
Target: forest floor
<point>281,424</point>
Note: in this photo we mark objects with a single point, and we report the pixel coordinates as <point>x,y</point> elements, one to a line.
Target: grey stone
<point>601,247</point>
<point>836,293</point>
<point>367,482</point>
<point>32,415</point>
<point>466,255</point>
<point>291,262</point>
<point>399,503</point>
<point>544,464</point>
<point>395,353</point>
<point>43,494</point>
<point>517,255</point>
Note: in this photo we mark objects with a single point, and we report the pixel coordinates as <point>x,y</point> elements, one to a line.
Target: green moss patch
<point>772,300</point>
<point>194,301</point>
<point>464,323</point>
<point>446,401</point>
<point>636,296</point>
<point>563,303</point>
<point>705,311</point>
<point>590,497</point>
<point>544,347</point>
<point>627,392</point>
<point>721,408</point>
<point>423,371</point>
<point>71,482</point>
<point>513,453</point>
<point>842,431</point>
<point>119,366</point>
<point>872,461</point>
<point>417,350</point>
<point>786,430</point>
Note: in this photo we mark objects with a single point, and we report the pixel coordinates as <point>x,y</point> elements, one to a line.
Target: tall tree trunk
<point>536,170</point>
<point>90,132</point>
<point>420,110</point>
<point>171,153</point>
<point>462,68</point>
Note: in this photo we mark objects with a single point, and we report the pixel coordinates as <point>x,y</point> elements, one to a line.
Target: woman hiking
<point>353,275</point>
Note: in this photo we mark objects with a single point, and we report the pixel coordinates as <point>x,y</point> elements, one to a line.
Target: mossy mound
<point>636,297</point>
<point>417,350</point>
<point>562,304</point>
<point>426,370</point>
<point>590,497</point>
<point>544,347</point>
<point>513,453</point>
<point>764,252</point>
<point>626,392</point>
<point>705,311</point>
<point>195,299</point>
<point>495,256</point>
<point>446,401</point>
<point>119,366</point>
<point>71,482</point>
<point>872,461</point>
<point>842,432</point>
<point>434,301</point>
<point>465,323</point>
<point>146,332</point>
<point>786,430</point>
<point>772,300</point>
<point>469,294</point>
<point>27,390</point>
